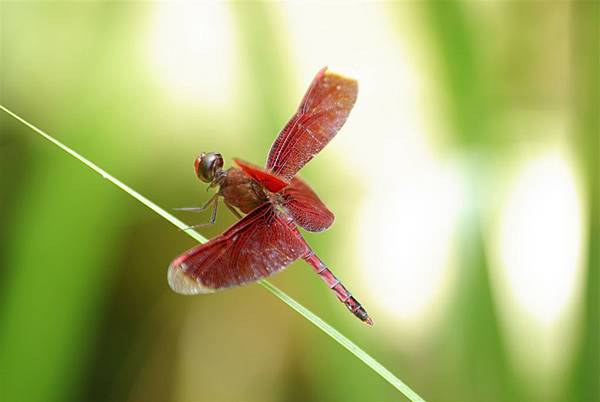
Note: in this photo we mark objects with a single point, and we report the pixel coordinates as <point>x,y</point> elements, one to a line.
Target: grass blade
<point>303,311</point>
<point>345,342</point>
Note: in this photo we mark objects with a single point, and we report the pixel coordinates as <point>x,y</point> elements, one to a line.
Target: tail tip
<point>369,322</point>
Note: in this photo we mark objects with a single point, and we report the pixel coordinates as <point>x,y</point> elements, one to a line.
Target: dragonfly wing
<point>267,179</point>
<point>323,111</point>
<point>257,246</point>
<point>305,206</point>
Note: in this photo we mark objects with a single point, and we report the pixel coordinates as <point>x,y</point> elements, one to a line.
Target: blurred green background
<point>465,185</point>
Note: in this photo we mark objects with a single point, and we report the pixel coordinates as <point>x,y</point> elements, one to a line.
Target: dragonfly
<point>273,202</point>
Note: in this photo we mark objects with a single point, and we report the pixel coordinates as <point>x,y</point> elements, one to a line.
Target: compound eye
<point>207,165</point>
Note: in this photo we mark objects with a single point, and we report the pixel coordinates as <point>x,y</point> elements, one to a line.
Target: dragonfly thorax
<point>240,190</point>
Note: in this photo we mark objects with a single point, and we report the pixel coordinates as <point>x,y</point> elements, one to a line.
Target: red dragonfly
<point>267,240</point>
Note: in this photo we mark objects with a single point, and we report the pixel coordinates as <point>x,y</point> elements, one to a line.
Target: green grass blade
<point>345,342</point>
<point>112,179</point>
<point>303,311</point>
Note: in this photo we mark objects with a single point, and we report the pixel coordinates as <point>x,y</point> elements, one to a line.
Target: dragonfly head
<point>207,164</point>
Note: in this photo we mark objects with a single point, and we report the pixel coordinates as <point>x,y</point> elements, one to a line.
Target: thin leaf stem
<point>300,309</point>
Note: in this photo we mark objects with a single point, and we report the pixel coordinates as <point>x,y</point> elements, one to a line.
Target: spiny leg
<point>199,209</point>
<point>213,216</point>
<point>232,209</point>
<point>214,200</point>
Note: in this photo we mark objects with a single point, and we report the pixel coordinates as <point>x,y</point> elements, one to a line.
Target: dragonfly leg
<point>232,209</point>
<point>338,288</point>
<point>207,204</point>
<point>213,217</point>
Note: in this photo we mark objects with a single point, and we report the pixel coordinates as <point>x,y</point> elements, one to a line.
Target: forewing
<point>257,246</point>
<point>267,179</point>
<point>305,206</point>
<point>323,111</point>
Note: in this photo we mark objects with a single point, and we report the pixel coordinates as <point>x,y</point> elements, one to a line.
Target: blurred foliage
<point>585,30</point>
<point>85,312</point>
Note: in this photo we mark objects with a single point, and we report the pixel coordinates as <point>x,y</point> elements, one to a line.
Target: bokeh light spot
<point>540,237</point>
<point>191,49</point>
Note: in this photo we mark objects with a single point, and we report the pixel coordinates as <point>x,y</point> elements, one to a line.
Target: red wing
<point>257,246</point>
<point>305,206</point>
<point>323,111</point>
<point>269,180</point>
